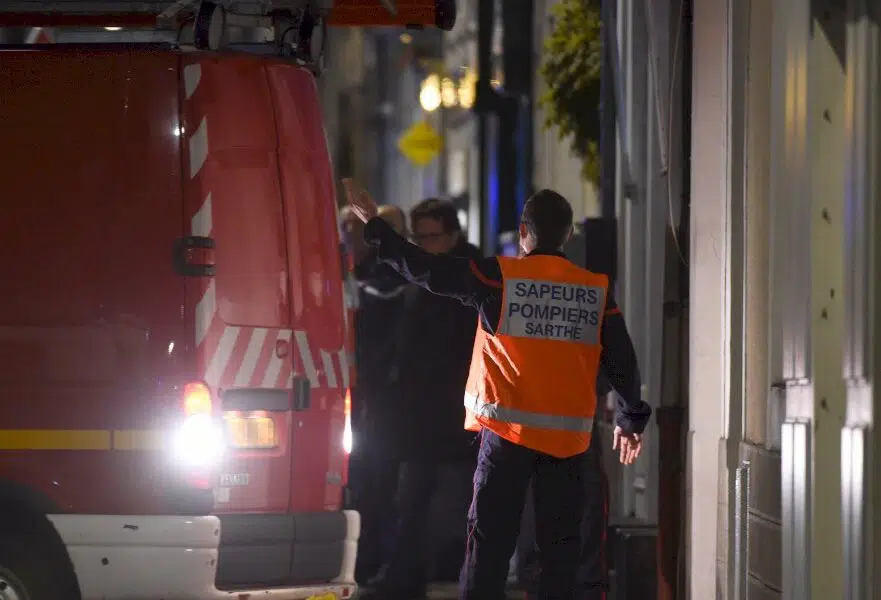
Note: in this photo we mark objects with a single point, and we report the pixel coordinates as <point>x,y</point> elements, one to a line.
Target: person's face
<point>429,234</point>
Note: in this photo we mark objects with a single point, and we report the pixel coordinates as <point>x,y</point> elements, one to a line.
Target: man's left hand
<point>362,203</point>
<point>629,445</point>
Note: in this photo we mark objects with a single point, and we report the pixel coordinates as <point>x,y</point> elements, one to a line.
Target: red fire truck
<point>173,339</point>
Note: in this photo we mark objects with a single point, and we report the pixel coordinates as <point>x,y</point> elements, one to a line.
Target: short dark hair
<point>440,210</point>
<point>548,218</point>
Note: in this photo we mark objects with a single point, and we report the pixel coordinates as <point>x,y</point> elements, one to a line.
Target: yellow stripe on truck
<point>138,439</point>
<point>81,439</point>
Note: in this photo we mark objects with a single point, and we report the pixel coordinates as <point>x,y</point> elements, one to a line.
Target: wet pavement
<point>449,591</point>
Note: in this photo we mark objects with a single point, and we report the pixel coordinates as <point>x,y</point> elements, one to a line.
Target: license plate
<point>251,432</point>
<point>323,597</point>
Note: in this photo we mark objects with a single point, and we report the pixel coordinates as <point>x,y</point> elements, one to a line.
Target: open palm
<point>628,445</point>
<point>362,203</point>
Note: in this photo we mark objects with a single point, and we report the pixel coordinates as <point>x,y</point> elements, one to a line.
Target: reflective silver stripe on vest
<point>530,419</point>
<point>553,310</point>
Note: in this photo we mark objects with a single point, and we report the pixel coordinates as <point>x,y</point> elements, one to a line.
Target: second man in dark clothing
<point>435,339</point>
<point>372,466</point>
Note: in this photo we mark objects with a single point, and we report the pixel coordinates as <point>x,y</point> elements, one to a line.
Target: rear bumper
<point>176,558</point>
<point>276,550</point>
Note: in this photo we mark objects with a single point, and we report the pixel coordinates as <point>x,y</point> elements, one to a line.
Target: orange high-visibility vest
<point>534,381</point>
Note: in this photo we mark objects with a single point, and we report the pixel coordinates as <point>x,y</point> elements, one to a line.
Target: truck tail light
<point>197,399</point>
<point>347,430</point>
<point>199,441</point>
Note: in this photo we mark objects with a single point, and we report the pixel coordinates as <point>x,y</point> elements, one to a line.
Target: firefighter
<point>545,328</point>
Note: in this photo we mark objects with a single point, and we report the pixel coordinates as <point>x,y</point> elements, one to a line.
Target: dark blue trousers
<point>373,477</point>
<point>592,575</point>
<point>504,471</point>
<point>420,484</point>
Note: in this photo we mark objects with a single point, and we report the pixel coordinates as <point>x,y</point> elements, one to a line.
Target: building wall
<point>370,94</point>
<point>345,105</point>
<point>461,151</point>
<point>762,403</point>
<point>407,184</point>
<point>861,470</point>
<point>404,66</point>
<point>708,307</point>
<point>762,410</point>
<point>648,191</point>
<point>782,231</point>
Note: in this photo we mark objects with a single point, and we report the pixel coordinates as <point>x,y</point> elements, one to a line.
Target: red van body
<point>173,343</point>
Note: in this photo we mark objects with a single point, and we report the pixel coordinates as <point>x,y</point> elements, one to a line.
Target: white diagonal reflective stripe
<point>202,221</point>
<point>273,370</point>
<point>217,366</point>
<point>329,370</point>
<point>34,35</point>
<point>492,410</point>
<point>192,76</point>
<point>198,147</point>
<point>252,354</point>
<point>205,310</point>
<point>306,356</point>
<point>343,355</point>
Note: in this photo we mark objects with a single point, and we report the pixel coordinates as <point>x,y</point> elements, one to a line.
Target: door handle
<point>302,393</point>
<point>193,256</point>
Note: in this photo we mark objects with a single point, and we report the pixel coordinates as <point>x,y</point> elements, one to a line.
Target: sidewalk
<point>448,591</point>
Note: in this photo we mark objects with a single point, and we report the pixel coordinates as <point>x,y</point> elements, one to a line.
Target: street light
<point>430,93</point>
<point>439,90</point>
<point>449,93</point>
<point>466,89</point>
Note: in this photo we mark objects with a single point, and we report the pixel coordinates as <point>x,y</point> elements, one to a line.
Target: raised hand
<point>362,203</point>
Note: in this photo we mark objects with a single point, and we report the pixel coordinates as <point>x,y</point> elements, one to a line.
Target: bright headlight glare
<point>199,441</point>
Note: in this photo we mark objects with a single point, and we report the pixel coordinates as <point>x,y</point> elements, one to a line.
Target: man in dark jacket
<point>434,353</point>
<point>372,465</point>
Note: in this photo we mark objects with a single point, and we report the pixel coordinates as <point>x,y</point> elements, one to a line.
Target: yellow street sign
<point>420,144</point>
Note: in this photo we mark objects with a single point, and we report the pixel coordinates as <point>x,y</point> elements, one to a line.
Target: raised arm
<point>465,279</point>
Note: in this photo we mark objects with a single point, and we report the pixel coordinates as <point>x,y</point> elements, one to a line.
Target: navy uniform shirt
<point>478,283</point>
